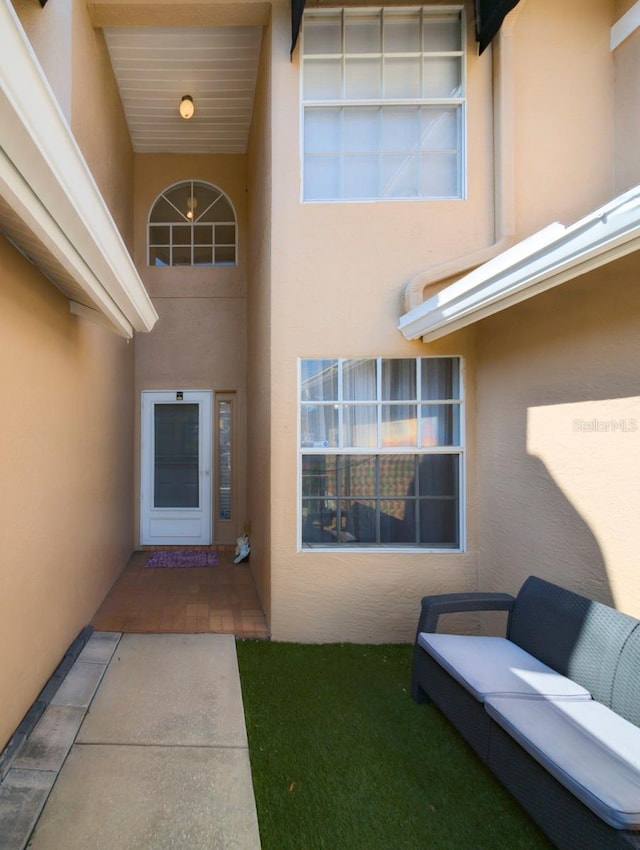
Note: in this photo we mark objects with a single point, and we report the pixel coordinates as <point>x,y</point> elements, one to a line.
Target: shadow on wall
<point>559,439</point>
<point>555,541</point>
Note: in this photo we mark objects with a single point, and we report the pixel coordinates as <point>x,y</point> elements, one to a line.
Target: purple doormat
<point>182,558</point>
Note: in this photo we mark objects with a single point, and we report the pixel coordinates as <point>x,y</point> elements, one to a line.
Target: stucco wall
<point>259,424</point>
<point>559,438</point>
<point>200,339</point>
<point>563,133</point>
<point>74,58</point>
<point>50,33</point>
<point>66,486</point>
<point>338,272</point>
<point>98,121</point>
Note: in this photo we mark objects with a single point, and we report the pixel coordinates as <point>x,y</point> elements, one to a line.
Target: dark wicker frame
<point>566,821</point>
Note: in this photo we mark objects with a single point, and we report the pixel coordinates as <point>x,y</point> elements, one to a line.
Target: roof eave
<point>547,259</point>
<point>46,180</point>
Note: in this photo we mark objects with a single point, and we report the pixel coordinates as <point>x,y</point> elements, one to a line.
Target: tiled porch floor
<point>221,599</point>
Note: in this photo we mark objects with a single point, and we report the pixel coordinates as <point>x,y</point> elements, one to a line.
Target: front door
<point>176,468</point>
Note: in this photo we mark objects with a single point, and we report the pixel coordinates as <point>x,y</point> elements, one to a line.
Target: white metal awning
<point>50,205</point>
<point>549,258</point>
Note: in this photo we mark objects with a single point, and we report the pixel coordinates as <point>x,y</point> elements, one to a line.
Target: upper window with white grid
<point>192,223</point>
<point>383,103</point>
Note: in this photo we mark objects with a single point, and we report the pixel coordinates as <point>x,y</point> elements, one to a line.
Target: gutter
<point>45,179</point>
<point>547,259</point>
<point>504,193</point>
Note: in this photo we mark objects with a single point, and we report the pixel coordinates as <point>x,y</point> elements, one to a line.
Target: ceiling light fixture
<point>186,107</point>
<point>192,203</point>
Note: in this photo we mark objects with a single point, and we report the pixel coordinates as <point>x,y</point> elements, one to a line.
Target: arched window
<point>192,224</point>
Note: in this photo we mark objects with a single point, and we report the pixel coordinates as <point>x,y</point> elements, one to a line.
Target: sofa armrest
<point>450,603</point>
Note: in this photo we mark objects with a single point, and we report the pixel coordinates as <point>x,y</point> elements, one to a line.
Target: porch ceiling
<point>155,66</point>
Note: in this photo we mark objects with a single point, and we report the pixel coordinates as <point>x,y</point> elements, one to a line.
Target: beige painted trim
<point>549,258</point>
<point>504,193</point>
<point>625,26</point>
<point>56,184</point>
<point>186,13</point>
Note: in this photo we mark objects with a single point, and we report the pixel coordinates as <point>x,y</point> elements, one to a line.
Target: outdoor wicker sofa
<point>553,709</point>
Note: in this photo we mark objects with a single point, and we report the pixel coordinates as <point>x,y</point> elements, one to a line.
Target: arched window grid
<point>192,223</point>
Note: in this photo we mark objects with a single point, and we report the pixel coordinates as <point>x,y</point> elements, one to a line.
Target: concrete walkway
<point>143,747</point>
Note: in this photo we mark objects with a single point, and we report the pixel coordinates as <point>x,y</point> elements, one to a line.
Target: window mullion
<point>416,506</point>
<point>378,501</point>
<point>341,440</point>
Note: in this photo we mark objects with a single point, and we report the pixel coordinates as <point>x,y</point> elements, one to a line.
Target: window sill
<point>382,550</point>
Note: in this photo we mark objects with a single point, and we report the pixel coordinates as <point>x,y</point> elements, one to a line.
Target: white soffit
<point>217,66</point>
<point>52,209</point>
<point>549,258</point>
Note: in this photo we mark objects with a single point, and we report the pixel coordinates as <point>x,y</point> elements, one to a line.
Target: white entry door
<point>176,468</point>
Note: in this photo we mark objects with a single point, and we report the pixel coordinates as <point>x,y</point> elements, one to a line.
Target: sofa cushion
<point>588,748</point>
<point>494,665</point>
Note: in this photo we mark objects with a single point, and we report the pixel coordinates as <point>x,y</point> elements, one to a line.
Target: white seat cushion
<point>588,748</point>
<point>493,665</point>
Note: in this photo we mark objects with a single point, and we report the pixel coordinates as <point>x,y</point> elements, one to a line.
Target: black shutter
<point>489,17</point>
<point>297,8</point>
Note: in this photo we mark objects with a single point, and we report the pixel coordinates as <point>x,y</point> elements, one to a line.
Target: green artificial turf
<point>343,759</point>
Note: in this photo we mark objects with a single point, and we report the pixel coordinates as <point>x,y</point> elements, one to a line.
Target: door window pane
<point>442,33</point>
<point>319,380</point>
<point>363,80</point>
<point>322,130</point>
<point>440,378</point>
<point>323,79</point>
<point>224,459</point>
<point>399,426</point>
<point>322,178</point>
<point>402,32</point>
<point>398,475</point>
<point>439,175</point>
<point>439,425</point>
<point>360,176</point>
<point>442,77</point>
<point>359,380</point>
<point>362,33</point>
<point>176,456</point>
<point>399,379</point>
<point>319,425</point>
<point>322,34</point>
<point>361,426</point>
<point>402,77</point>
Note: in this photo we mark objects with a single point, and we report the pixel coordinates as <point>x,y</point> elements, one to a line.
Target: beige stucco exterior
<point>66,487</point>
<point>200,340</point>
<point>374,250</point>
<point>259,324</point>
<point>558,439</point>
<point>552,406</point>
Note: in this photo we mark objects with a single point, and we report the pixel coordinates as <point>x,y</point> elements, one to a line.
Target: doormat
<point>175,558</point>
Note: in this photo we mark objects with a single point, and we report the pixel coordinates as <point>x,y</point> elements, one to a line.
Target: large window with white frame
<point>383,105</point>
<point>381,452</point>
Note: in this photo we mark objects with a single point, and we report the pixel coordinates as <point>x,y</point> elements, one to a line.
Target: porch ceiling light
<point>186,107</point>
